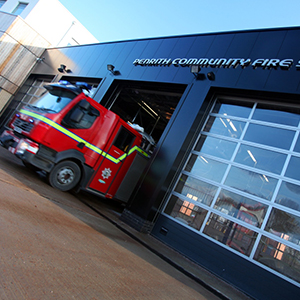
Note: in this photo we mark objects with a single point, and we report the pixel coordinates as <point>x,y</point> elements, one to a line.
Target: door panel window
<point>259,158</point>
<point>250,182</point>
<point>270,136</point>
<point>215,147</point>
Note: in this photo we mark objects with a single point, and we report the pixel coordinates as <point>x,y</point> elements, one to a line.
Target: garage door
<point>240,186</point>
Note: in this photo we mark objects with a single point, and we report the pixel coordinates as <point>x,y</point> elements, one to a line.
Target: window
<point>124,140</point>
<point>81,116</point>
<point>240,186</point>
<point>19,8</point>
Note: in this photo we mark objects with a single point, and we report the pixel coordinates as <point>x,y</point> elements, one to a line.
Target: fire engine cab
<point>78,142</point>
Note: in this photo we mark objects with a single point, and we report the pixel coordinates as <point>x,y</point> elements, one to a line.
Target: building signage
<point>264,63</point>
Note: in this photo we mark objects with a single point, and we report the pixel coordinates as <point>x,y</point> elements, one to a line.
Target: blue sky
<point>115,20</point>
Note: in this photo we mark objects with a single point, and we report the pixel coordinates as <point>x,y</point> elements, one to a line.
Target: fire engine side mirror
<point>76,115</point>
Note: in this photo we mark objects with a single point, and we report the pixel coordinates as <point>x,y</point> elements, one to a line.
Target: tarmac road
<point>53,246</point>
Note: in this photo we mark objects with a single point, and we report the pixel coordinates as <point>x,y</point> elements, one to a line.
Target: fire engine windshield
<point>53,101</point>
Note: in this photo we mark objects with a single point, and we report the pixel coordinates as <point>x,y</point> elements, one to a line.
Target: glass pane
<point>284,225</point>
<point>196,190</point>
<point>293,168</point>
<point>205,167</point>
<point>216,147</point>
<point>279,115</point>
<point>186,212</point>
<point>279,257</point>
<point>270,136</point>
<point>253,183</point>
<point>266,160</point>
<point>231,234</point>
<point>289,195</point>
<point>240,207</point>
<point>297,146</point>
<point>224,127</point>
<point>233,109</point>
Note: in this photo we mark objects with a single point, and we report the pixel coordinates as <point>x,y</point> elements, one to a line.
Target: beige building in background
<point>27,28</point>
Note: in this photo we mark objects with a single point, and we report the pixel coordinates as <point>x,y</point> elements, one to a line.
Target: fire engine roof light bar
<point>84,86</point>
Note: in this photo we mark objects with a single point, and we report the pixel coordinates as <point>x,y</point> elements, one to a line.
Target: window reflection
<point>196,190</point>
<point>205,167</point>
<point>253,183</point>
<point>293,168</point>
<point>186,212</point>
<point>270,136</point>
<point>279,115</point>
<point>297,146</point>
<point>231,234</point>
<point>266,160</point>
<point>248,210</point>
<point>284,225</point>
<point>279,257</point>
<point>215,146</point>
<point>224,126</point>
<point>236,110</point>
<point>289,195</point>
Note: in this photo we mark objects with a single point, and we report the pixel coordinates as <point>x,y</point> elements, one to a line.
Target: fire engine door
<point>113,160</point>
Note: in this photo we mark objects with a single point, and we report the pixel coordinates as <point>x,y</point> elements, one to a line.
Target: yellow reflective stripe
<point>79,139</point>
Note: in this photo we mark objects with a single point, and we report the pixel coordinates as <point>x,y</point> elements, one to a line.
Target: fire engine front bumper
<point>17,146</point>
<point>26,150</point>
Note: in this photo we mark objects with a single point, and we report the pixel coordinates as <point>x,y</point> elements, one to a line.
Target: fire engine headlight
<point>22,147</point>
<point>27,145</point>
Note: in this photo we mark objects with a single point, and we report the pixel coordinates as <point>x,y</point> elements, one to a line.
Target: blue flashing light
<point>84,85</point>
<point>64,82</point>
<point>18,115</point>
<point>31,120</point>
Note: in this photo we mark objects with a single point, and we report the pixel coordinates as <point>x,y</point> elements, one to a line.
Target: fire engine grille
<point>25,126</point>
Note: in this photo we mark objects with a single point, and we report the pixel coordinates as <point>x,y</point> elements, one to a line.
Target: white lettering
<point>192,61</point>
<point>286,64</point>
<point>273,63</point>
<point>221,62</point>
<point>257,63</point>
<point>202,62</point>
<point>245,62</point>
<point>176,62</point>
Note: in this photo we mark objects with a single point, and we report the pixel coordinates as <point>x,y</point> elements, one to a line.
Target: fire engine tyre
<point>65,176</point>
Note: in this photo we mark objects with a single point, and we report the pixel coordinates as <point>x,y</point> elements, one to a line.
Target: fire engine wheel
<point>65,176</point>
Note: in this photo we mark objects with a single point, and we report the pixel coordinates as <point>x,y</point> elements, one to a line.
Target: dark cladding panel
<point>267,46</point>
<point>100,61</point>
<point>128,69</point>
<point>93,67</point>
<point>199,49</point>
<point>108,56</point>
<point>123,62</point>
<point>162,52</point>
<point>239,48</point>
<point>149,51</point>
<point>257,282</point>
<point>289,49</point>
<point>83,60</point>
<point>180,49</point>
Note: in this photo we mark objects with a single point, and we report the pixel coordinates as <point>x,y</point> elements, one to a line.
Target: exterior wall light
<point>196,71</point>
<point>111,69</point>
<point>211,76</point>
<point>64,69</point>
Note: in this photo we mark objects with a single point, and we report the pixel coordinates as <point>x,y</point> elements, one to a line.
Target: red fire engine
<point>78,142</point>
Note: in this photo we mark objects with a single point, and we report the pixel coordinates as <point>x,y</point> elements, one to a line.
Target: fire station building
<point>222,185</point>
